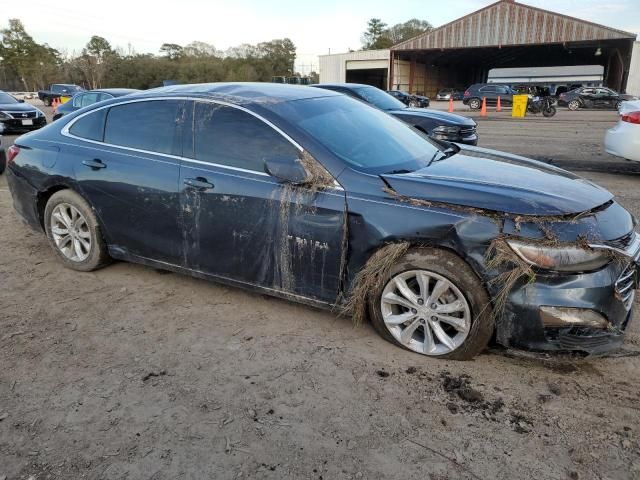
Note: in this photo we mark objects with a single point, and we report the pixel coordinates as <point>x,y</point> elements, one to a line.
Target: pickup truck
<point>57,90</point>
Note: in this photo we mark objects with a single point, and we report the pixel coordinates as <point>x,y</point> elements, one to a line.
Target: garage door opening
<point>376,77</point>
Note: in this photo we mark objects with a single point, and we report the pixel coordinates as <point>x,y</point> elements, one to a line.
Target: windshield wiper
<point>393,172</point>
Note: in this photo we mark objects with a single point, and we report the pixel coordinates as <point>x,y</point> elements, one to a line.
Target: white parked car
<point>623,140</point>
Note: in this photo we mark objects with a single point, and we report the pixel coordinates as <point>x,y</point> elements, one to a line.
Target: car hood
<point>17,107</point>
<point>498,181</point>
<point>444,117</point>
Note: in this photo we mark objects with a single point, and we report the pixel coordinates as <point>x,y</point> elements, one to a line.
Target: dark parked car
<point>491,91</point>
<point>593,97</point>
<point>57,91</point>
<point>439,125</point>
<point>17,116</point>
<point>446,93</point>
<point>86,98</point>
<point>410,100</point>
<point>3,158</point>
<point>312,196</point>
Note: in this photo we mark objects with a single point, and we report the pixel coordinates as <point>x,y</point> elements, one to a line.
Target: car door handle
<point>94,164</point>
<point>199,183</point>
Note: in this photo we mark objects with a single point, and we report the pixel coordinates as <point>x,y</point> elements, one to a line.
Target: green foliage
<point>29,63</point>
<point>378,36</point>
<point>99,65</point>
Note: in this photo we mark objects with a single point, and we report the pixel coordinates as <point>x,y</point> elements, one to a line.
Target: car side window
<point>88,99</point>
<point>90,126</point>
<point>488,89</point>
<point>77,101</point>
<point>229,136</point>
<point>150,125</point>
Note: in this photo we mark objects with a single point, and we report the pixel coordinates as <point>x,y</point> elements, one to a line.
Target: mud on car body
<point>313,196</point>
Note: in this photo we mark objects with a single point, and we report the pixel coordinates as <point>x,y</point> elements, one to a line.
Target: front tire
<point>618,105</point>
<point>433,304</point>
<point>573,105</point>
<point>47,101</point>
<point>74,233</point>
<point>549,112</point>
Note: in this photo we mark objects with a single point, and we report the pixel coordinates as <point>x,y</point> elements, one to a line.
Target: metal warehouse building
<point>505,34</point>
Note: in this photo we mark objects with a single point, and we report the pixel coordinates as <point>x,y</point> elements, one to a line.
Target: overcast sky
<point>314,26</point>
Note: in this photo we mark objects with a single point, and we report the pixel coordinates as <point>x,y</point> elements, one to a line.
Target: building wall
<point>333,68</point>
<point>633,83</point>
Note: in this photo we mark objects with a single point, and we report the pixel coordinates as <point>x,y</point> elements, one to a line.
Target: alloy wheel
<point>70,232</point>
<point>425,312</point>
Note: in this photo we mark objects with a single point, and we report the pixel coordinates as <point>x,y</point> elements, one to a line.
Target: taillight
<point>466,93</point>
<point>12,153</point>
<point>633,117</point>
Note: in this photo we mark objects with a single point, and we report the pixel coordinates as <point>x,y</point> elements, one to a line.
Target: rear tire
<point>475,104</point>
<point>618,105</point>
<point>74,233</point>
<point>474,315</point>
<point>47,101</point>
<point>573,105</point>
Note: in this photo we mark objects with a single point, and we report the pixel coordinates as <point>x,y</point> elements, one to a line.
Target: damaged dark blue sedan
<point>313,196</point>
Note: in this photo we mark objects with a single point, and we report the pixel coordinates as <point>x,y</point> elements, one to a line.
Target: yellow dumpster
<point>64,99</point>
<point>519,108</point>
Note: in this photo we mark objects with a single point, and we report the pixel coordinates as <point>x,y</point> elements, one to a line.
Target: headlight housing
<point>561,258</point>
<point>39,113</point>
<point>5,116</point>
<point>446,130</point>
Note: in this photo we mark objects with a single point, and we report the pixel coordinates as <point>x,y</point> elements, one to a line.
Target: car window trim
<point>65,131</point>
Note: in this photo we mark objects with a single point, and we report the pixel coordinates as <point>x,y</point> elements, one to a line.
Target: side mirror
<point>21,101</point>
<point>286,169</point>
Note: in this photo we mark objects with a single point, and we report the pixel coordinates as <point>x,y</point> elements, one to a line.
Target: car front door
<point>127,164</point>
<point>243,225</point>
<point>588,97</point>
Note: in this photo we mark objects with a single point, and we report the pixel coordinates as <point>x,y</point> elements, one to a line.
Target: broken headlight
<point>560,258</point>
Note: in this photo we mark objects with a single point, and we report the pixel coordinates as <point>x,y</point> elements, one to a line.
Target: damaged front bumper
<point>587,312</point>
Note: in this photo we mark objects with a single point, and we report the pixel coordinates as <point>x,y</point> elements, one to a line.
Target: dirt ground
<point>133,373</point>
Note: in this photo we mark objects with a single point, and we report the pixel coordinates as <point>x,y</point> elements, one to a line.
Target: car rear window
<point>149,125</point>
<point>91,126</point>
<point>229,136</point>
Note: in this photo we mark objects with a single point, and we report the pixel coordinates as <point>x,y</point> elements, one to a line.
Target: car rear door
<point>489,92</point>
<point>240,223</point>
<point>130,174</point>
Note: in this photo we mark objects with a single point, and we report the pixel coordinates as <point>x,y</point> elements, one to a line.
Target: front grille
<point>21,115</point>
<point>625,285</point>
<point>466,132</point>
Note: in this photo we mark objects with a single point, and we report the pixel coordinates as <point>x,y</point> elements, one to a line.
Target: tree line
<point>30,66</point>
<point>27,65</point>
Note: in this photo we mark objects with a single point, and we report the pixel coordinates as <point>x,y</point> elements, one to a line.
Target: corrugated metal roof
<point>509,23</point>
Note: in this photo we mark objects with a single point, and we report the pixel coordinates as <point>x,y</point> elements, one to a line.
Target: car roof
<point>241,92</point>
<point>116,92</point>
<point>342,85</point>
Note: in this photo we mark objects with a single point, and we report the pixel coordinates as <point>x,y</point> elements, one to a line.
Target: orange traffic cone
<point>483,110</point>
<point>451,104</point>
<point>498,106</point>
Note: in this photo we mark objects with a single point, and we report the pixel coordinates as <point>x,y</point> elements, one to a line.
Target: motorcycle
<point>542,105</point>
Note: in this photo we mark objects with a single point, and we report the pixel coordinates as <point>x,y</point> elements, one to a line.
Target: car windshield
<point>380,99</point>
<point>367,139</point>
<point>6,98</point>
